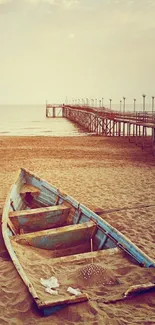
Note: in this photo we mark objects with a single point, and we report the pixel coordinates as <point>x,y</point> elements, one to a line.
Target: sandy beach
<point>107,173</point>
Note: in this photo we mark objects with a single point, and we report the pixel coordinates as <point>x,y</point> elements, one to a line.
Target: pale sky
<point>50,49</point>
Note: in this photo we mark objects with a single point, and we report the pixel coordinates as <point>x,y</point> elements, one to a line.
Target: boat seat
<point>28,188</point>
<point>28,193</point>
<point>59,238</point>
<point>39,219</point>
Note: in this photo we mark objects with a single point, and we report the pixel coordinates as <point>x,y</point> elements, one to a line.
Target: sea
<point>31,120</point>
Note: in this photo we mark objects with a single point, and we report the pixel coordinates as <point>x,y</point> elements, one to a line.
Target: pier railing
<point>137,126</point>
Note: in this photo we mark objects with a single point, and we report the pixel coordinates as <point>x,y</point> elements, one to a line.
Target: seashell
<point>51,283</point>
<point>51,291</point>
<point>73,291</point>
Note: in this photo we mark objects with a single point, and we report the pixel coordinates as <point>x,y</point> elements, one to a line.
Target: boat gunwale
<point>15,260</point>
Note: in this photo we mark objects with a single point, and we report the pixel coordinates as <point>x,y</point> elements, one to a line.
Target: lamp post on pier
<point>110,102</point>
<point>120,105</point>
<point>134,105</point>
<point>152,104</point>
<point>102,101</point>
<point>124,98</point>
<point>144,96</point>
<point>95,102</point>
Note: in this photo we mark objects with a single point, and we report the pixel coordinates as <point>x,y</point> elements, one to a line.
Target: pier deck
<point>137,126</point>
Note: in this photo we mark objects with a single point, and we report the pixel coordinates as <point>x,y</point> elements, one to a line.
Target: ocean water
<point>30,120</point>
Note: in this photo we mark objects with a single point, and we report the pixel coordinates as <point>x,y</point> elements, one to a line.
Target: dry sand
<point>109,173</point>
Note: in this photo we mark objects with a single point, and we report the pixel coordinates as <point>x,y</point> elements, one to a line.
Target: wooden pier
<point>139,127</point>
<point>51,110</point>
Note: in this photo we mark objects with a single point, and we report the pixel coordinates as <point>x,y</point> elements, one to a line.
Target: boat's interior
<point>44,223</point>
<point>49,232</point>
<point>44,219</point>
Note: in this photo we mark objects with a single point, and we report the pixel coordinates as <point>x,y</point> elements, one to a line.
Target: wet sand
<point>107,173</point>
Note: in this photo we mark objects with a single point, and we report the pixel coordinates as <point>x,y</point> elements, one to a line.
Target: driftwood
<point>139,288</point>
<point>131,292</point>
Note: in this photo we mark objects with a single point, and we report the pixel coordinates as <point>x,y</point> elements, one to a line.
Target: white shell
<point>51,291</point>
<point>51,283</point>
<point>75,292</point>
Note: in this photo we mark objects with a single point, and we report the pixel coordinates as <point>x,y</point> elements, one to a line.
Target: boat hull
<point>37,215</point>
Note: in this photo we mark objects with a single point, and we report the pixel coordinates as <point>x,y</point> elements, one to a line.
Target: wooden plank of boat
<point>58,238</point>
<point>138,288</point>
<point>28,193</point>
<point>131,292</point>
<point>80,258</point>
<point>2,246</point>
<point>61,301</point>
<point>40,218</point>
<point>28,188</point>
<point>1,211</point>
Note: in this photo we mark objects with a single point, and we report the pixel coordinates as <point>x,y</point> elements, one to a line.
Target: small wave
<point>4,132</point>
<point>30,128</point>
<point>36,121</point>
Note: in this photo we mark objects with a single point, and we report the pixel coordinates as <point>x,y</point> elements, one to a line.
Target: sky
<point>50,49</point>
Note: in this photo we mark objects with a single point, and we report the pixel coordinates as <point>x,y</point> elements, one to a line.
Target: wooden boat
<point>37,215</point>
